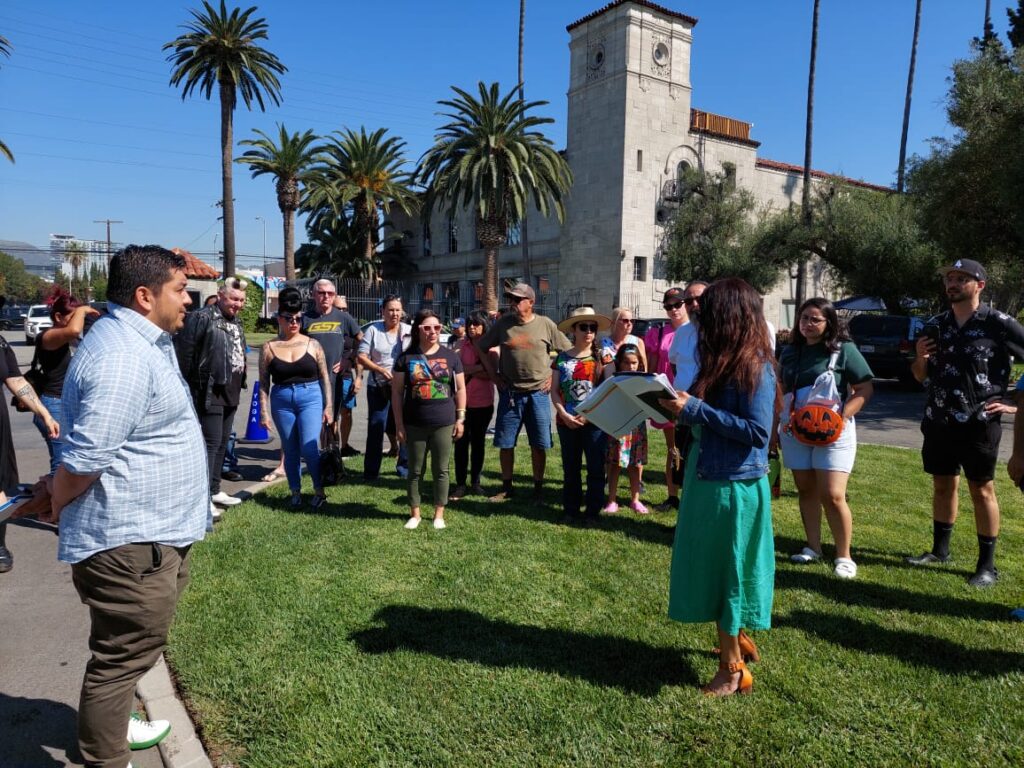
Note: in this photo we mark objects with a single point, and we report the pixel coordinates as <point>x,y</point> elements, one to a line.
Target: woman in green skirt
<point>723,559</point>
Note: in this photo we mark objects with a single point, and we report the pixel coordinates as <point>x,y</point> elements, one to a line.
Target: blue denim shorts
<point>344,394</point>
<point>516,409</point>
<point>837,457</point>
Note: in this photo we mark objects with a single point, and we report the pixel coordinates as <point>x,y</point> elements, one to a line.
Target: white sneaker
<point>412,523</point>
<point>224,500</point>
<point>143,734</point>
<point>439,523</point>
<point>215,511</point>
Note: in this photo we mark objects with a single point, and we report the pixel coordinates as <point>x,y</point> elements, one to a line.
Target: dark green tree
<point>714,234</point>
<point>1016,31</point>
<point>222,49</point>
<point>17,283</point>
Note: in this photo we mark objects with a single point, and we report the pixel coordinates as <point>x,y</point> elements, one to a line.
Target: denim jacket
<point>734,435</point>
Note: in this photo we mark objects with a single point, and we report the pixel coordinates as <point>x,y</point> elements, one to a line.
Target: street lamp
<point>266,277</point>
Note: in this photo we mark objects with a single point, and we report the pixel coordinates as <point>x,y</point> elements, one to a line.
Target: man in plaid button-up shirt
<point>132,493</point>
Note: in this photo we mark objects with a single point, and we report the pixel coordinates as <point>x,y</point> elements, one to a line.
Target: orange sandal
<point>744,685</point>
<point>747,648</point>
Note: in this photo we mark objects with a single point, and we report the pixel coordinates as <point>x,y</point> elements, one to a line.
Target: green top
<point>801,365</point>
<point>525,358</point>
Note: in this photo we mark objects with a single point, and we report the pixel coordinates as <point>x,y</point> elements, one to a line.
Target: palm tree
<point>220,48</point>
<point>5,50</point>
<point>900,171</point>
<point>288,162</point>
<point>74,254</point>
<point>490,158</point>
<point>365,172</point>
<point>805,202</point>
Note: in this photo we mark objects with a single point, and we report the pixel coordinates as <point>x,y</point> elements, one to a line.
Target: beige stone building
<point>632,128</point>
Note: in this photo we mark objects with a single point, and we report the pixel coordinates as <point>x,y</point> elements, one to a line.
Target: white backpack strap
<point>833,360</point>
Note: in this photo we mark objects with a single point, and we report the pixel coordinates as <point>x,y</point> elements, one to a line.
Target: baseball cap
<point>522,291</point>
<point>672,294</point>
<point>968,267</point>
<point>458,322</point>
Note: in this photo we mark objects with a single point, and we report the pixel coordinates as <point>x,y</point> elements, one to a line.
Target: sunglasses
<point>625,321</point>
<point>515,299</point>
<point>289,318</point>
<point>430,328</point>
<point>587,327</point>
<point>672,305</point>
<point>691,300</point>
<point>325,293</point>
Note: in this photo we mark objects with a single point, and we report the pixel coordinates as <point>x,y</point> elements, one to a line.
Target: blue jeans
<point>55,447</point>
<point>517,409</point>
<point>586,442</point>
<point>378,404</point>
<point>298,411</point>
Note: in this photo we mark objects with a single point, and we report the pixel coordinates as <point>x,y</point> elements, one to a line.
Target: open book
<point>622,402</point>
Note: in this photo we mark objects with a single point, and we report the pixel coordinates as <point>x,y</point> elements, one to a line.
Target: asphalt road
<point>44,627</point>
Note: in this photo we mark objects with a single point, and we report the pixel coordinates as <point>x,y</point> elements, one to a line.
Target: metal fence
<point>366,297</point>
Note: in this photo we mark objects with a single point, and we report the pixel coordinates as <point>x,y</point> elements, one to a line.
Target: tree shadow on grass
<point>27,726</point>
<point>460,635</point>
<point>910,647</point>
<point>868,595</point>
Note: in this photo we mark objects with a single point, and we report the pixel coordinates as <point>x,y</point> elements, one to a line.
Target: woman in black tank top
<point>295,392</point>
<point>51,358</point>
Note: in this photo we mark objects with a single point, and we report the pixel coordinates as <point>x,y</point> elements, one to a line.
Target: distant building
<point>631,132</point>
<point>97,254</point>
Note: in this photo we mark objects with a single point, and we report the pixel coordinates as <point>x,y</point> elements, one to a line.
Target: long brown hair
<point>732,341</point>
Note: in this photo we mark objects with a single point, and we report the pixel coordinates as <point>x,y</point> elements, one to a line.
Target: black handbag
<point>35,378</point>
<point>332,469</point>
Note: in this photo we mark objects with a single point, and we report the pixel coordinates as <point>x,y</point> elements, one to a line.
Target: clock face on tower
<point>596,57</point>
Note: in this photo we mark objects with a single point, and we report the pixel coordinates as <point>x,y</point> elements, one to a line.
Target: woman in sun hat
<point>576,372</point>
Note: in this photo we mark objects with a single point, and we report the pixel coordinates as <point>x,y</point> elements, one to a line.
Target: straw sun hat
<point>584,314</point>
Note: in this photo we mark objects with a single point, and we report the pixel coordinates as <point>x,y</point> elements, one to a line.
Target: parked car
<point>887,343</point>
<point>38,317</point>
<point>12,318</point>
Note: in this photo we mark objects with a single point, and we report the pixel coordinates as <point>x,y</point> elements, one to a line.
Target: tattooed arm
<point>325,380</point>
<point>23,391</point>
<point>266,355</point>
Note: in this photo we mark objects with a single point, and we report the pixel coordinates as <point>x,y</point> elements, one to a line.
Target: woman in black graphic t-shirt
<point>428,398</point>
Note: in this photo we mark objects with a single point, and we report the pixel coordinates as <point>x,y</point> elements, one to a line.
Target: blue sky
<point>98,133</point>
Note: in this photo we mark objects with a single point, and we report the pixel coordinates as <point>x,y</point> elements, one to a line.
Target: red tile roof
<point>642,3</point>
<point>196,268</point>
<point>775,165</point>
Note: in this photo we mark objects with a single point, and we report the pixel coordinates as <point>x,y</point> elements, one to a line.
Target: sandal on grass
<point>272,477</point>
<point>805,556</point>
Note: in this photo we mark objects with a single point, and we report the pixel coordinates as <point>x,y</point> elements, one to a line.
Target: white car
<point>38,317</point>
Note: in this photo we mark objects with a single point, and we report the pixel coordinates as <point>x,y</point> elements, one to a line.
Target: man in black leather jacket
<point>211,356</point>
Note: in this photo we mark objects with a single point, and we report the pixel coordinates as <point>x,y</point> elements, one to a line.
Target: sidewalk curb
<point>182,747</point>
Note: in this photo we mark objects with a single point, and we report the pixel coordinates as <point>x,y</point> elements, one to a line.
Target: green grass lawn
<point>255,339</point>
<point>342,639</point>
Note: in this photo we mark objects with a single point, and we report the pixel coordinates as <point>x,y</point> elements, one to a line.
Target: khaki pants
<point>131,592</point>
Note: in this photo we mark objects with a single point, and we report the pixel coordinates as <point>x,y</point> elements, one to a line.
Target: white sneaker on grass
<point>215,512</point>
<point>143,734</point>
<point>224,500</point>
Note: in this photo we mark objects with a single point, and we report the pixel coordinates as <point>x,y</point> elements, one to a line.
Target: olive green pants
<point>437,441</point>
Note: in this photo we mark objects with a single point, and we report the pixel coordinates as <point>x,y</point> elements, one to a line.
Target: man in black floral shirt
<point>966,373</point>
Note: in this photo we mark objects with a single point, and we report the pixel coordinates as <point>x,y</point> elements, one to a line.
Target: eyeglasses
<point>325,293</point>
<point>812,320</point>
<point>672,305</point>
<point>625,321</point>
<point>691,300</point>
<point>587,327</point>
<point>289,318</point>
<point>431,328</point>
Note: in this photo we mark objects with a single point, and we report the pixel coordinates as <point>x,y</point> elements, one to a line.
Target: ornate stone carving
<point>661,54</point>
<point>595,58</point>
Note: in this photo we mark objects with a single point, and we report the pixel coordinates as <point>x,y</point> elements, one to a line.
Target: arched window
<point>681,168</point>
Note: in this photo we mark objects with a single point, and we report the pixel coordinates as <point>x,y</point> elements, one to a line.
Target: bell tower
<point>629,107</point>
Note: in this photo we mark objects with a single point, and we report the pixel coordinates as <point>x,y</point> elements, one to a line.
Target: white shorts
<point>837,457</point>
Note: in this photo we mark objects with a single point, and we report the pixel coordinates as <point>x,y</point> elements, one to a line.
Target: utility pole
<point>266,277</point>
<point>108,222</point>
